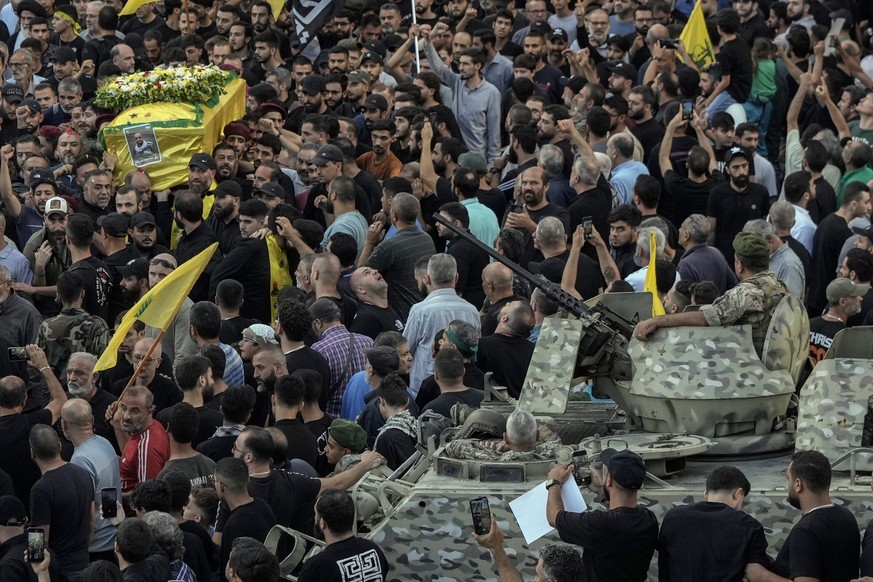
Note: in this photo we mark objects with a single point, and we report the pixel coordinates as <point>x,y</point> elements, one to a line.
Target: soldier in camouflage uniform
<point>519,443</point>
<point>74,329</point>
<point>751,302</point>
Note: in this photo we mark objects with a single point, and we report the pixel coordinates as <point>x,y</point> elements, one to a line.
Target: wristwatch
<point>551,482</point>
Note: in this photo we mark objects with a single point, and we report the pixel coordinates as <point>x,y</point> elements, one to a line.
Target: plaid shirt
<point>343,363</point>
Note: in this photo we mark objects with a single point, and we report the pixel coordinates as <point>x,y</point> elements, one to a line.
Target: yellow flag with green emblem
<point>160,305</point>
<point>695,37</point>
<point>652,278</point>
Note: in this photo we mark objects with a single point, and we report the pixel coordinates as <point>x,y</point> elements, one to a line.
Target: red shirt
<point>144,456</point>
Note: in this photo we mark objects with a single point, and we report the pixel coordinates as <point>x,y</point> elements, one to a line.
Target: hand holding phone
<point>35,544</point>
<point>108,503</point>
<point>587,226</point>
<point>687,110</point>
<point>481,515</point>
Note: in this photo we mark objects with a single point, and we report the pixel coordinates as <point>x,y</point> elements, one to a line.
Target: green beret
<point>348,434</point>
<point>751,245</point>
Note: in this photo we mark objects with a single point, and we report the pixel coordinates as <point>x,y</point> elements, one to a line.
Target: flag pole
<point>142,362</point>
<point>417,55</point>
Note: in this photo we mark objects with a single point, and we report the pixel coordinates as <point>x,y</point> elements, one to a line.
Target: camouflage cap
<point>751,245</point>
<point>842,287</point>
<point>348,434</point>
<point>626,467</point>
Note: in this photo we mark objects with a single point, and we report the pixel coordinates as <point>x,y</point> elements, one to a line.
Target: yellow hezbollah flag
<point>280,274</point>
<point>132,6</point>
<point>160,305</point>
<point>695,37</point>
<point>652,278</point>
<point>277,6</point>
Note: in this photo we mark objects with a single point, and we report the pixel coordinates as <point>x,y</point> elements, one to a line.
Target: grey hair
<point>5,273</point>
<point>465,332</point>
<point>544,304</point>
<point>827,138</point>
<point>643,241</point>
<point>587,169</point>
<point>88,357</point>
<point>698,228</point>
<point>552,159</point>
<point>521,427</point>
<point>442,269</point>
<point>283,76</point>
<point>406,207</point>
<point>167,533</point>
<point>782,215</point>
<point>656,222</point>
<point>760,226</point>
<point>550,232</point>
<point>28,56</point>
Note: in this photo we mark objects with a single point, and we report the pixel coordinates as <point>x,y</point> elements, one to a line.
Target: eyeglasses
<point>162,263</point>
<point>236,450</point>
<point>139,358</point>
<point>18,65</point>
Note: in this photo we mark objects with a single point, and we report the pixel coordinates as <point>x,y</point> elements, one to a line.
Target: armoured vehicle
<point>686,400</point>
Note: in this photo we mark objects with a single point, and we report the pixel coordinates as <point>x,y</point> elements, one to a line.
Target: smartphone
<point>670,43</point>
<point>35,544</point>
<point>687,110</point>
<point>18,354</point>
<point>586,227</point>
<point>514,207</point>
<point>108,502</point>
<point>481,515</point>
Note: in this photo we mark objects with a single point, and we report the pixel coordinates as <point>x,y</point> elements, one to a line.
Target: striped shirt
<point>342,361</point>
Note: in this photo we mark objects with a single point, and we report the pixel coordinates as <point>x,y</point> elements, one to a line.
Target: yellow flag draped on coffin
<point>652,278</point>
<point>695,37</point>
<point>160,305</point>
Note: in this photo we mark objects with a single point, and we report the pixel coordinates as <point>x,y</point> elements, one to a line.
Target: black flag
<point>311,15</point>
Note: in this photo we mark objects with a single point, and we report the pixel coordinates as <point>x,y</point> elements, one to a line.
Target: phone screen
<point>687,109</point>
<point>586,226</point>
<point>17,354</point>
<point>35,545</point>
<point>108,501</point>
<point>481,515</point>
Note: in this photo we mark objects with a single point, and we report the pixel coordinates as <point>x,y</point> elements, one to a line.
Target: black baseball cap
<point>737,151</point>
<point>13,94</point>
<point>376,101</point>
<point>327,153</point>
<point>202,161</point>
<point>228,188</point>
<point>63,54</point>
<point>272,189</point>
<point>114,224</point>
<point>138,268</point>
<point>626,70</point>
<point>313,84</point>
<point>626,467</point>
<point>141,219</point>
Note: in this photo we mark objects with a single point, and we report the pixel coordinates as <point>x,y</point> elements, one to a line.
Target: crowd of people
<point>582,142</point>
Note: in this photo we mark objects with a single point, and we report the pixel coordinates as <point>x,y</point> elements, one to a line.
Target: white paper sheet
<point>530,509</point>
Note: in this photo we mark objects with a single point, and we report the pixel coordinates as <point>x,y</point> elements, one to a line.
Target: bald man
<point>497,285</point>
<point>325,277</point>
<point>507,352</point>
<point>164,390</point>
<point>177,341</point>
<point>96,455</point>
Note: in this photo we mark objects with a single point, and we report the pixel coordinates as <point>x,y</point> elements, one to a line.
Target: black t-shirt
<point>530,252</point>
<point>597,204</point>
<point>371,320</point>
<point>15,453</point>
<point>650,133</point>
<point>823,545</point>
<point>396,446</point>
<point>491,313</point>
<point>62,499</point>
<point>732,210</point>
<point>867,551</point>
<point>254,520</point>
<point>443,403</point>
<point>217,448</point>
<point>709,541</point>
<point>618,544</point>
<point>232,328</point>
<point>589,279</point>
<point>97,283</point>
<point>354,554</point>
<point>821,336</point>
<point>824,202</point>
<point>827,242</point>
<point>493,199</point>
<point>301,442</point>
<point>306,358</point>
<point>549,80</point>
<point>429,390</point>
<point>195,529</point>
<point>508,358</point>
<point>735,59</point>
<point>207,421</point>
<point>471,261</point>
<point>291,495</point>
